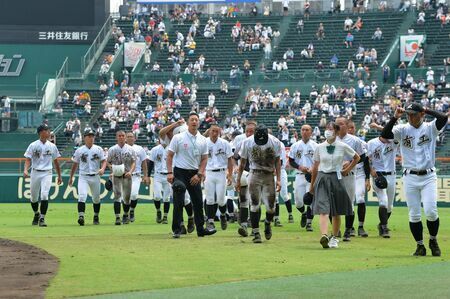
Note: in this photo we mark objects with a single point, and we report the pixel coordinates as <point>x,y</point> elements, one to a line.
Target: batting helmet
<point>108,185</point>
<point>308,198</point>
<point>381,182</point>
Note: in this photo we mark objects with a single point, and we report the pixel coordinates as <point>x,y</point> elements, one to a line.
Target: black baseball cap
<point>414,108</point>
<point>261,135</point>
<point>43,127</point>
<point>88,131</point>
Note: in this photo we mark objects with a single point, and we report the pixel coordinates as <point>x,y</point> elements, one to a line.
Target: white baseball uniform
<point>238,142</point>
<point>89,161</point>
<point>360,179</point>
<point>161,187</point>
<point>42,156</point>
<point>283,179</point>
<point>136,180</point>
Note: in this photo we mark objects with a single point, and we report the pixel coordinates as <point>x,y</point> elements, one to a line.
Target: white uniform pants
<point>135,185</point>
<point>215,187</point>
<point>122,187</point>
<point>360,188</point>
<point>89,183</point>
<point>349,184</point>
<point>161,188</point>
<point>386,196</point>
<point>284,185</point>
<point>301,186</point>
<point>40,181</point>
<point>421,189</point>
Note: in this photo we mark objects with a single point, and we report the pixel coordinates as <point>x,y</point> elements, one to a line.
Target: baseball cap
<point>414,108</point>
<point>89,131</point>
<point>43,127</point>
<point>261,135</point>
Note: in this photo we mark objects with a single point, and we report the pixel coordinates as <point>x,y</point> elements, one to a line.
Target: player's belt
<point>418,172</point>
<point>385,172</point>
<point>41,170</point>
<point>163,173</point>
<point>136,174</point>
<point>217,170</point>
<point>350,173</point>
<point>87,174</point>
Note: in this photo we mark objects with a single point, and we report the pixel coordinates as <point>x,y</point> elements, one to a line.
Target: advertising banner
<point>409,44</point>
<point>133,52</point>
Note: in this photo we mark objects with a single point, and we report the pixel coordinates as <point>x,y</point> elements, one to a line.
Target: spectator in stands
<point>334,61</point>
<point>348,23</point>
<point>300,26</point>
<point>402,70</point>
<point>304,54</point>
<point>267,11</point>
<point>320,32</point>
<point>430,76</point>
<point>288,55</point>
<point>383,5</point>
<point>358,25</point>
<point>156,67</point>
<point>276,35</point>
<point>310,50</point>
<point>306,9</point>
<point>223,88</point>
<point>421,18</point>
<point>349,40</point>
<point>320,67</point>
<point>87,108</point>
<point>405,5</point>
<point>378,34</point>
<point>267,49</point>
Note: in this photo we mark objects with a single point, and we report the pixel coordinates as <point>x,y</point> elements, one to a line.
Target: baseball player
<point>349,180</point>
<point>122,163</point>
<point>141,168</point>
<point>219,169</point>
<point>244,197</point>
<point>39,156</point>
<point>301,158</point>
<point>283,194</point>
<point>362,183</point>
<point>417,141</point>
<point>165,136</point>
<point>381,153</point>
<point>161,188</point>
<point>91,161</point>
<point>262,150</point>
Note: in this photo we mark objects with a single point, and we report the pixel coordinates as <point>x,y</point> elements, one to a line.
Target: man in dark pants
<point>187,156</point>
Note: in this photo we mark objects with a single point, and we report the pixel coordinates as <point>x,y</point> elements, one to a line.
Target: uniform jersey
<point>218,154</point>
<point>140,157</point>
<point>417,146</point>
<point>158,155</point>
<point>382,155</point>
<point>88,159</point>
<point>237,142</point>
<point>261,157</point>
<point>283,156</point>
<point>360,166</point>
<point>302,153</point>
<point>122,155</point>
<point>42,154</point>
<point>355,143</point>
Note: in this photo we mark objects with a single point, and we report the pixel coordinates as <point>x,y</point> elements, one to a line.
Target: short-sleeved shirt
<point>42,154</point>
<point>283,156</point>
<point>332,162</point>
<point>158,155</point>
<point>89,159</point>
<point>382,155</point>
<point>141,156</point>
<point>302,153</point>
<point>238,142</point>
<point>417,146</point>
<point>122,155</point>
<point>188,150</point>
<point>261,157</point>
<point>218,154</point>
<point>355,143</point>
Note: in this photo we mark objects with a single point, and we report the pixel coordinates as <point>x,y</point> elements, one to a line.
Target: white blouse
<point>332,162</point>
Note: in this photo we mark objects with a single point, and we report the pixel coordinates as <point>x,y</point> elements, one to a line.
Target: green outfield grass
<point>141,256</point>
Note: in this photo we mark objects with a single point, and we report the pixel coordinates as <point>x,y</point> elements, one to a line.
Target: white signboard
<point>409,44</point>
<point>133,52</point>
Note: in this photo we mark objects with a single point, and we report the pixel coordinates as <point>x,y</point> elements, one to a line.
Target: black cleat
<point>362,232</point>
<point>36,219</point>
<point>277,223</point>
<point>309,227</point>
<point>257,238</point>
<point>420,251</point>
<point>176,235</point>
<point>223,222</point>
<point>243,231</point>
<point>164,220</point>
<point>385,233</point>
<point>96,220</point>
<point>267,231</point>
<point>347,235</point>
<point>132,218</point>
<point>183,230</point>
<point>191,226</point>
<point>352,232</point>
<point>158,217</point>
<point>42,222</point>
<point>118,222</point>
<point>206,232</point>
<point>81,221</point>
<point>380,230</point>
<point>291,219</point>
<point>324,242</point>
<point>303,220</point>
<point>435,250</point>
<point>125,219</point>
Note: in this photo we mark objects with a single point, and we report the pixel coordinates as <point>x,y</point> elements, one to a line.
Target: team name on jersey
<point>424,139</point>
<point>408,141</point>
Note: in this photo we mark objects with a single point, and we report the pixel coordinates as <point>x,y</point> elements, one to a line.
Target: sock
<point>117,208</point>
<point>302,209</point>
<point>44,207</point>
<point>157,204</point>
<point>210,212</point>
<point>361,213</point>
<point>189,210</point>
<point>166,208</point>
<point>216,206</point>
<point>230,206</point>
<point>288,205</point>
<point>277,210</point>
<point>81,208</point>
<point>309,214</point>
<point>383,215</point>
<point>349,221</point>
<point>126,208</point>
<point>269,217</point>
<point>243,215</point>
<point>96,209</point>
<point>223,209</point>
<point>254,219</point>
<point>417,231</point>
<point>134,204</point>
<point>35,207</point>
<point>433,227</point>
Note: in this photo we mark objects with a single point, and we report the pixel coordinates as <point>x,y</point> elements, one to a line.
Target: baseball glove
<point>109,185</point>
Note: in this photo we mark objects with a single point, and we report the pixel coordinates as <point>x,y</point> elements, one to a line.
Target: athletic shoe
<point>36,219</point>
<point>243,231</point>
<point>385,233</point>
<point>362,232</point>
<point>277,223</point>
<point>118,222</point>
<point>380,230</point>
<point>420,251</point>
<point>158,217</point>
<point>125,219</point>
<point>352,232</point>
<point>183,230</point>
<point>42,222</point>
<point>267,231</point>
<point>176,235</point>
<point>206,232</point>
<point>333,243</point>
<point>191,226</point>
<point>291,219</point>
<point>232,219</point>
<point>309,227</point>
<point>252,233</point>
<point>164,220</point>
<point>132,216</point>
<point>96,220</point>
<point>257,238</point>
<point>223,222</point>
<point>324,241</point>
<point>210,226</point>
<point>435,250</point>
<point>81,221</point>
<point>346,235</point>
<point>303,220</point>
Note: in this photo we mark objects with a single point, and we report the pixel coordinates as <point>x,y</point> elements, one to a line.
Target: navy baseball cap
<point>43,127</point>
<point>261,135</point>
<point>414,108</point>
<point>89,131</point>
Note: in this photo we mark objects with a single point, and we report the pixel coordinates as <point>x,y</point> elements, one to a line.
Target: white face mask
<point>329,134</point>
